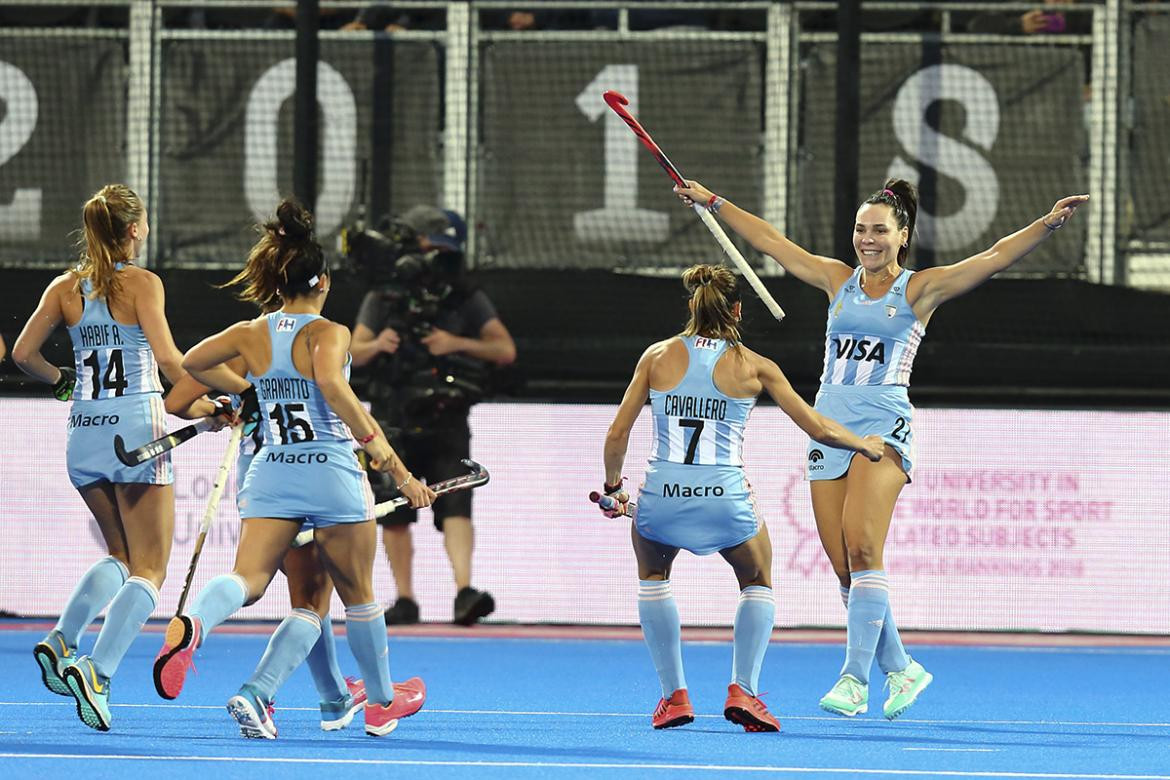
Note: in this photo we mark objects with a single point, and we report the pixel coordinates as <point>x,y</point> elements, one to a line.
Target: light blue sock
<point>869,597</point>
<point>287,649</point>
<point>754,618</point>
<point>96,588</point>
<point>128,611</point>
<point>662,630</point>
<point>891,655</point>
<point>365,628</point>
<point>220,597</point>
<point>323,664</point>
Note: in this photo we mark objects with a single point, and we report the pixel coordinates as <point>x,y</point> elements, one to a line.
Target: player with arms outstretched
<point>878,314</point>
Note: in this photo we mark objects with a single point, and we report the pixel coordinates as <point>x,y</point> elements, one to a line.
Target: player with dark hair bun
<point>702,386</point>
<point>878,314</point>
<point>297,392</point>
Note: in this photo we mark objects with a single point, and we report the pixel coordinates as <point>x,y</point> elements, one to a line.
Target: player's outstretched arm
<point>932,287</point>
<point>820,428</point>
<point>824,273</point>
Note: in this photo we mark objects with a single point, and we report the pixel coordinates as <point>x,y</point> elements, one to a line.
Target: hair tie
<point>890,193</point>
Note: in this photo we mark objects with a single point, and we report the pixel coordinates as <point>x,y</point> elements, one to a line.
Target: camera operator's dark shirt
<point>461,315</point>
<point>463,319</point>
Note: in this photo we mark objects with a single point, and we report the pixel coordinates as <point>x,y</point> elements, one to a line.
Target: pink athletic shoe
<point>176,656</point>
<point>409,698</point>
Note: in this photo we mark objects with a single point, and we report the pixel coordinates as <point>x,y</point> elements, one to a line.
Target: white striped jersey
<point>292,408</point>
<point>112,359</point>
<point>695,423</point>
<point>871,341</point>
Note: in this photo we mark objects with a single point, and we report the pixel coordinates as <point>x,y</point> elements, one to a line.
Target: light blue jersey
<point>305,468</point>
<point>117,393</point>
<point>871,341</point>
<point>695,495</point>
<point>112,359</point>
<point>870,345</point>
<point>695,423</point>
<point>292,406</point>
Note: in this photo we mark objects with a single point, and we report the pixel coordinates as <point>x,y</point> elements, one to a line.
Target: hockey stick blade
<point>153,449</point>
<point>475,478</point>
<point>618,102</point>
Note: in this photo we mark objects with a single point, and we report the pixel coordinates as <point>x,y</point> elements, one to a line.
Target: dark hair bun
<point>295,220</point>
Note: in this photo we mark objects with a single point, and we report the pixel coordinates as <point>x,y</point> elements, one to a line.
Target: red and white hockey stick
<point>618,103</point>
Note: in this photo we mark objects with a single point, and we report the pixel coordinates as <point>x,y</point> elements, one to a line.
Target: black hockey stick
<point>476,477</point>
<point>153,449</point>
<point>473,479</point>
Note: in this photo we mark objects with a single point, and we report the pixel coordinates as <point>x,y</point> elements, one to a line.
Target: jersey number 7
<point>693,444</point>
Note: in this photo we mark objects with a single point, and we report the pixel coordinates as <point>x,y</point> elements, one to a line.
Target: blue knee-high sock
<point>365,628</point>
<point>891,655</point>
<point>96,588</point>
<point>869,596</point>
<point>662,630</point>
<point>287,649</point>
<point>754,618</point>
<point>128,611</point>
<point>219,598</point>
<point>323,665</point>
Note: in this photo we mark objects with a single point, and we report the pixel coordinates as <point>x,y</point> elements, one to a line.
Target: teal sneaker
<point>53,655</point>
<point>848,697</point>
<point>904,688</point>
<point>338,713</point>
<point>92,692</point>
<point>253,714</point>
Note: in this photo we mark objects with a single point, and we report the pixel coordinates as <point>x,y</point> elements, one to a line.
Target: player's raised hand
<point>1063,210</point>
<point>693,193</point>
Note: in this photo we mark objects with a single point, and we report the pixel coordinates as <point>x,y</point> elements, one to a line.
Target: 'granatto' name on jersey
<point>283,388</point>
<point>694,407</point>
<point>92,420</point>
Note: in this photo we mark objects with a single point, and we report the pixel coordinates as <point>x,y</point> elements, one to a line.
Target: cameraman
<point>462,324</point>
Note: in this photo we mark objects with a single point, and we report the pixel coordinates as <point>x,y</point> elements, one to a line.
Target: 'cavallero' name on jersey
<point>694,407</point>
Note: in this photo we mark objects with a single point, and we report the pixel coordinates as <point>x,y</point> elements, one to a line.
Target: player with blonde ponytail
<point>115,316</point>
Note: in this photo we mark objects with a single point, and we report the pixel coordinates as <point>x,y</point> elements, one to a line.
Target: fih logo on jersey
<point>286,325</point>
<point>702,342</point>
<point>814,460</point>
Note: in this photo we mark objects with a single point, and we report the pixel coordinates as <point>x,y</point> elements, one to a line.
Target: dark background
<point>1009,343</point>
